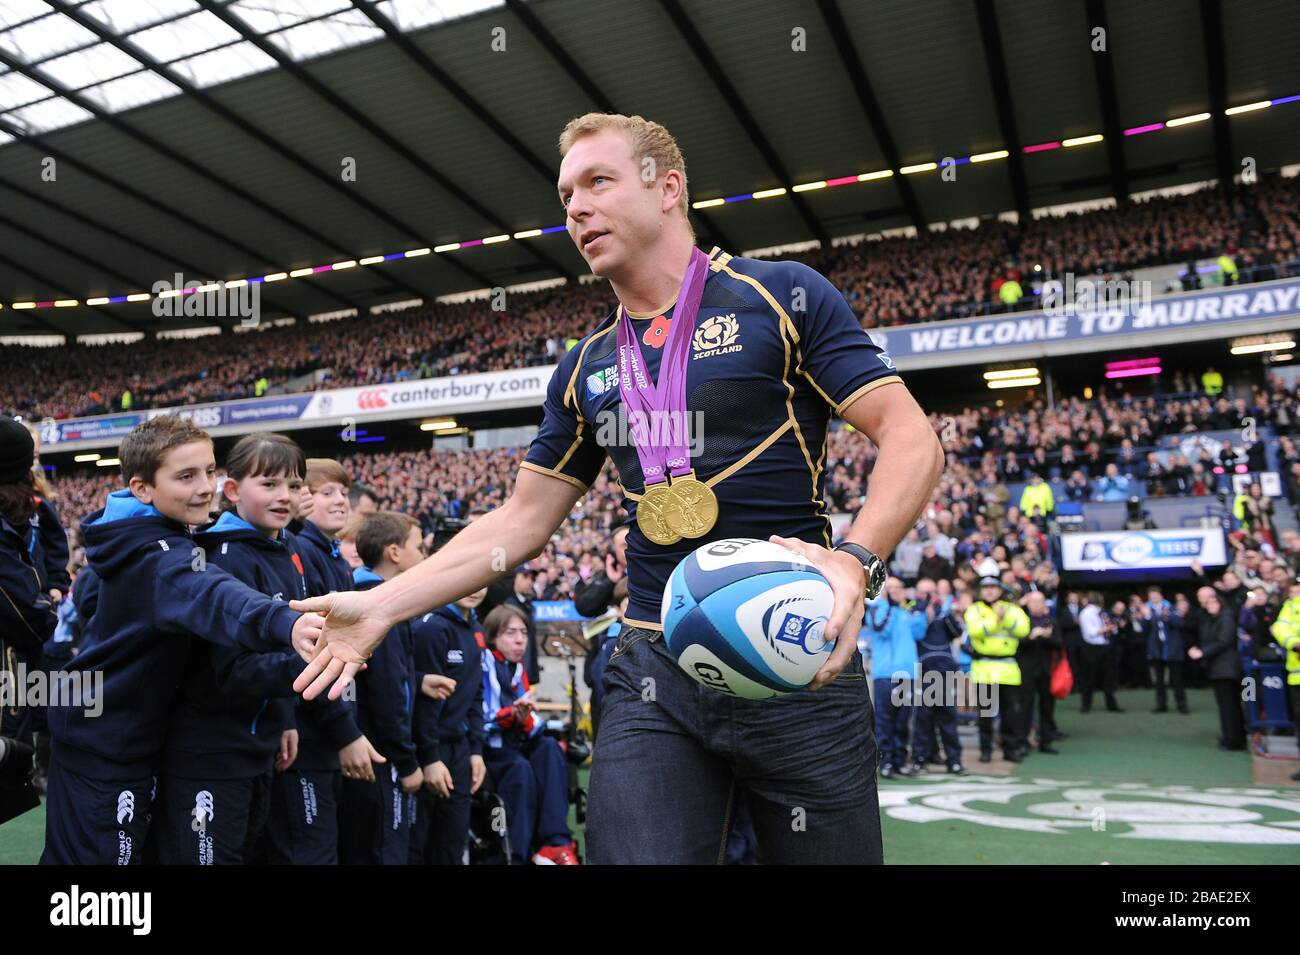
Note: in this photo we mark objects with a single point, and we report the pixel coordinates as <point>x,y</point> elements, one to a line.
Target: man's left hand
<point>848,580</point>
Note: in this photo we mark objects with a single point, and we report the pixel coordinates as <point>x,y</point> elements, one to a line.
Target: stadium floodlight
<point>492,239</point>
<point>770,193</point>
<point>1147,128</point>
<point>528,234</point>
<point>809,186</point>
<point>1247,108</point>
<point>1185,120</point>
<point>108,463</point>
<point>1041,147</point>
<point>438,424</point>
<point>347,264</point>
<point>412,253</point>
<point>275,277</point>
<point>370,260</point>
<point>65,302</point>
<point>878,174</point>
<point>1002,373</point>
<point>299,273</point>
<point>919,167</point>
<point>1082,140</point>
<point>707,203</point>
<point>85,458</point>
<point>102,300</point>
<point>989,157</point>
<point>1015,382</point>
<point>1253,346</point>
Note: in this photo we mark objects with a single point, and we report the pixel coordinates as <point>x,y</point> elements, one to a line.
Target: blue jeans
<point>672,756</point>
<point>893,721</point>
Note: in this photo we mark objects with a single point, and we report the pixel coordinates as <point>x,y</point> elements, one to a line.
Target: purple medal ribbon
<point>644,401</point>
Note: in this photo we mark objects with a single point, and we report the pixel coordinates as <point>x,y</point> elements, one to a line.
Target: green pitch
<point>1132,787</point>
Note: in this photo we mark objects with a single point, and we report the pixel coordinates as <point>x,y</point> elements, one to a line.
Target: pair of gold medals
<point>686,507</point>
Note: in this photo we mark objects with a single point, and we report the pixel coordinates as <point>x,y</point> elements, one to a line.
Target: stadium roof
<point>212,138</point>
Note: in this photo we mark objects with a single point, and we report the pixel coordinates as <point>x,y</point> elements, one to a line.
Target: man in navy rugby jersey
<point>774,350</point>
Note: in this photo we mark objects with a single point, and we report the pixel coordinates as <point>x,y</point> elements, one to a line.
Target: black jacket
<point>1218,641</point>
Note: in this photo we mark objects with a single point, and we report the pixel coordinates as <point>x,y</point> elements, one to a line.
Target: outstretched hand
<point>353,628</point>
<point>848,582</point>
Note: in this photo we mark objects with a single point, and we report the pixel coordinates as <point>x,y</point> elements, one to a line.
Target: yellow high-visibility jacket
<point>994,644</point>
<point>1286,631</point>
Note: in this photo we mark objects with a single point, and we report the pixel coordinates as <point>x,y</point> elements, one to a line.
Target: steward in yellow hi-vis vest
<point>996,629</point>
<point>1286,631</point>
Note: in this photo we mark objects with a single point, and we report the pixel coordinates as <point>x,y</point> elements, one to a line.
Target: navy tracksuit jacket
<point>375,818</point>
<point>303,826</point>
<point>152,603</point>
<point>230,712</point>
<point>448,642</point>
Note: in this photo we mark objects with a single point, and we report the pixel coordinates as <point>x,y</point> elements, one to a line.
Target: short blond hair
<point>325,470</point>
<point>647,138</point>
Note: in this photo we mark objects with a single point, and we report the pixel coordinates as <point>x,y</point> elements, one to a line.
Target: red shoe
<point>557,855</point>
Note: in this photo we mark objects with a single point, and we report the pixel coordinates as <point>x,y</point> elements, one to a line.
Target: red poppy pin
<point>657,333</point>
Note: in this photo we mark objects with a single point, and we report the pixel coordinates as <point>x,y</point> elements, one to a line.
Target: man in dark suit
<point>1217,629</point>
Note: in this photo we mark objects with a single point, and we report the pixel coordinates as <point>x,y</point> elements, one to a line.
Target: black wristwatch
<point>873,565</point>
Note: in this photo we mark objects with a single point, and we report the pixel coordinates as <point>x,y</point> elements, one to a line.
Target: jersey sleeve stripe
<point>869,386</point>
<point>567,478</point>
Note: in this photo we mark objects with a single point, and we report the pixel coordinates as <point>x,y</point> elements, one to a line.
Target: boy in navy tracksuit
<point>155,595</point>
<point>303,827</point>
<point>448,729</point>
<point>529,769</point>
<point>233,714</point>
<point>375,814</point>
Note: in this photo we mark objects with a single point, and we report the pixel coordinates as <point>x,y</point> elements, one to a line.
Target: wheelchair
<point>489,824</point>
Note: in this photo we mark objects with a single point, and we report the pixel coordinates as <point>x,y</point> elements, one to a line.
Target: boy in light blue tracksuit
<point>891,631</point>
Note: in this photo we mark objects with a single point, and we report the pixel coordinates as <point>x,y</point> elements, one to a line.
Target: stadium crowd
<point>943,274</point>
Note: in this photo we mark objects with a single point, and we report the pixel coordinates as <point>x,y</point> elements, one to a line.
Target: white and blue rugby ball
<point>747,617</point>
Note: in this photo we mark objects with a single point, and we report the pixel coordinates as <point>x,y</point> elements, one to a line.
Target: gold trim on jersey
<point>551,472</point>
<point>643,624</point>
<point>868,387</point>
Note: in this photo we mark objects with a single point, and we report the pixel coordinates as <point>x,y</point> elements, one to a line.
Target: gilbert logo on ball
<point>747,617</point>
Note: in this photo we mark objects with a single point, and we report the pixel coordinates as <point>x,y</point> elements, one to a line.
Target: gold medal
<point>652,514</point>
<point>695,506</point>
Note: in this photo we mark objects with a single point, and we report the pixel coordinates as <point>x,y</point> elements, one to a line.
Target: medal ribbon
<point>646,402</point>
